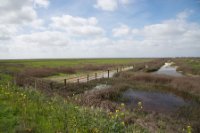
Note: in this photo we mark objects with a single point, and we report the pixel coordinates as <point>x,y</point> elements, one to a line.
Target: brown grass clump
<point>188,65</point>
<point>149,66</point>
<point>91,67</point>
<point>96,99</point>
<point>46,71</point>
<point>103,98</point>
<point>144,77</point>
<point>189,85</point>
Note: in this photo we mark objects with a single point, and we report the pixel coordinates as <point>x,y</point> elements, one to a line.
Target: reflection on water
<point>168,69</point>
<point>153,101</point>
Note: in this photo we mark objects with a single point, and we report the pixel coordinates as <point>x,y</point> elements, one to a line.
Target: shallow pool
<point>153,101</point>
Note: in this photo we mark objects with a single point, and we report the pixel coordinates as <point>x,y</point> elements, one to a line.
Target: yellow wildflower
<point>122,104</point>
<point>139,103</point>
<point>189,129</point>
<point>95,130</point>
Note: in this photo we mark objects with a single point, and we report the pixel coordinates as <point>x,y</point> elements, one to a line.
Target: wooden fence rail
<point>40,83</point>
<point>97,75</point>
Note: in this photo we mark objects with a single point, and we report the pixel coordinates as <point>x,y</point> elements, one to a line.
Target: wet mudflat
<point>161,102</point>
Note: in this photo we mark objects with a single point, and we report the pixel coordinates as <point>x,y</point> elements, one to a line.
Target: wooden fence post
<point>88,77</point>
<point>65,82</point>
<point>108,73</point>
<point>78,80</point>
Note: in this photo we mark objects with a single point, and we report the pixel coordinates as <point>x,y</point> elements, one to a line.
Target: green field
<point>13,66</point>
<point>69,62</point>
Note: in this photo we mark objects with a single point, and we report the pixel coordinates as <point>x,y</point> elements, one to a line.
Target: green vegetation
<point>188,65</point>
<point>186,87</point>
<point>51,67</point>
<point>69,62</point>
<point>5,79</point>
<point>29,111</point>
<point>74,108</point>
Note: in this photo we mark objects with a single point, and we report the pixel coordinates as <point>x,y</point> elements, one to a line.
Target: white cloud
<point>174,37</point>
<point>86,31</point>
<point>185,14</point>
<point>107,5</point>
<point>41,3</point>
<point>77,25</point>
<point>70,21</point>
<point>123,30</point>
<point>17,14</point>
<point>7,31</point>
<point>176,32</point>
<point>172,31</point>
<point>46,38</point>
<point>110,5</point>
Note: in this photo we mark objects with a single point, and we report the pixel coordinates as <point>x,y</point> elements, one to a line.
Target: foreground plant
<point>29,111</point>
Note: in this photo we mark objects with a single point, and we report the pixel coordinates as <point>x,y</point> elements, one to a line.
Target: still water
<point>153,101</point>
<point>169,70</point>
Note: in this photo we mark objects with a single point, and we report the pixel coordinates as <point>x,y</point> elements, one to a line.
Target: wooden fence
<point>49,85</point>
<point>97,75</point>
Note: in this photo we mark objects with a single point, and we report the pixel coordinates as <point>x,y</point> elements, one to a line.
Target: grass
<point>185,87</point>
<point>5,79</point>
<point>70,62</point>
<point>60,109</point>
<point>58,81</point>
<point>29,111</point>
<point>50,67</point>
<point>188,65</point>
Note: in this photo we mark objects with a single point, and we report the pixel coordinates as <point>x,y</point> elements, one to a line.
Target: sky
<point>99,28</point>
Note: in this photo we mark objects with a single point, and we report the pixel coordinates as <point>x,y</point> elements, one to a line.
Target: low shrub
<point>150,66</point>
<point>188,65</point>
